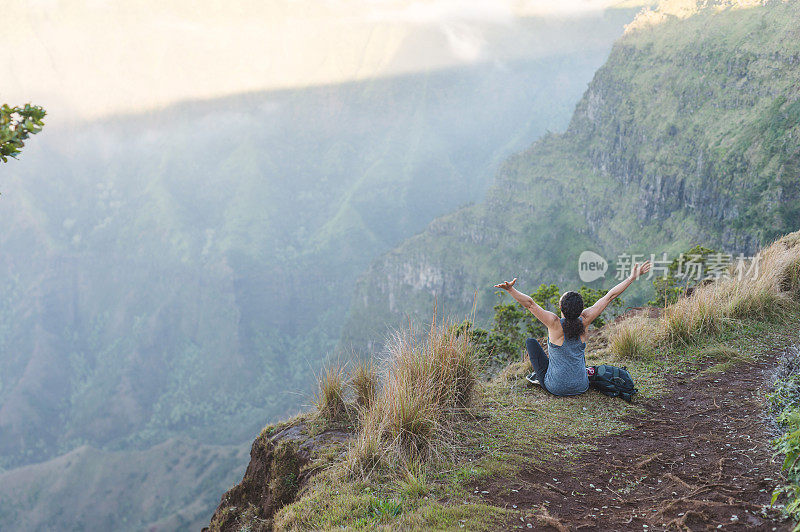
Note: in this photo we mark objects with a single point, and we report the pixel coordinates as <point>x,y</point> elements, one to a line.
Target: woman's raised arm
<point>591,313</point>
<point>549,319</point>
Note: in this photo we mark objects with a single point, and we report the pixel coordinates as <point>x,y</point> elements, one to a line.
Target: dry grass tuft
<point>366,451</point>
<point>413,482</point>
<point>411,420</point>
<point>515,371</point>
<point>767,289</point>
<point>443,364</point>
<point>330,396</point>
<point>691,318</point>
<point>719,352</point>
<point>364,381</point>
<point>631,339</point>
<point>774,291</point>
<point>426,380</point>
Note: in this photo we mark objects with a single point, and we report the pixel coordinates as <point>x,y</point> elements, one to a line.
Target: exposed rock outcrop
<point>281,464</point>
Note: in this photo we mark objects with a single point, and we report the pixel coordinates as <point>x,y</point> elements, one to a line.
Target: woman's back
<point>566,371</point>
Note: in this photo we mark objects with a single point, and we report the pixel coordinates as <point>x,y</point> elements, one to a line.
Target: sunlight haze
<point>99,57</point>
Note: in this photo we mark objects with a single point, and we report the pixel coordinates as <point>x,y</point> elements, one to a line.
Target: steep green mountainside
<point>689,133</point>
<point>182,273</point>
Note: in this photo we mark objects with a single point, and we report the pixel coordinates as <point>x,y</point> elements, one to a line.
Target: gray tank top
<point>566,370</point>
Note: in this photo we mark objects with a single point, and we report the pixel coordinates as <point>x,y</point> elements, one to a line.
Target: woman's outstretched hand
<point>506,285</point>
<point>640,269</point>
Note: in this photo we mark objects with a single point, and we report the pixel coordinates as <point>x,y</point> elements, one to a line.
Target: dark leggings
<point>539,360</point>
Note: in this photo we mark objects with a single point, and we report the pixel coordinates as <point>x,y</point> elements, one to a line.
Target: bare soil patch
<point>698,458</point>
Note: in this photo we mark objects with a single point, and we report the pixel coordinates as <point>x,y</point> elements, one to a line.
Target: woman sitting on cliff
<point>564,372</point>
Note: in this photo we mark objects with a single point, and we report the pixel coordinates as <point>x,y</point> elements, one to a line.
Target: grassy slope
<point>511,426</point>
<point>688,134</point>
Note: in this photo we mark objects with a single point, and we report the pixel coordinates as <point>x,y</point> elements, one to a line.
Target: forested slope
<point>688,134</point>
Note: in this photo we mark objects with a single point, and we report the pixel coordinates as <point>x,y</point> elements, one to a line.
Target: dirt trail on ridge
<point>698,459</point>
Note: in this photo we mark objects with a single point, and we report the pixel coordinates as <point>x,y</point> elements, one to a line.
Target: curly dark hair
<point>571,307</point>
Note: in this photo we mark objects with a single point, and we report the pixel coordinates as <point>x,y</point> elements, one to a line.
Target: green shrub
<point>789,446</point>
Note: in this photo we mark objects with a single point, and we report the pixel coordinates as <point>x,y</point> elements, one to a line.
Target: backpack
<point>612,381</point>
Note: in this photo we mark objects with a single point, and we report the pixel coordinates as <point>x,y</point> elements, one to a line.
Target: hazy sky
<point>94,57</point>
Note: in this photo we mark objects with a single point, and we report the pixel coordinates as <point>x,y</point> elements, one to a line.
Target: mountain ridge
<point>644,167</point>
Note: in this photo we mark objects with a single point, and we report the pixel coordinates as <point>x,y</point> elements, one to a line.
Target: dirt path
<point>699,459</point>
